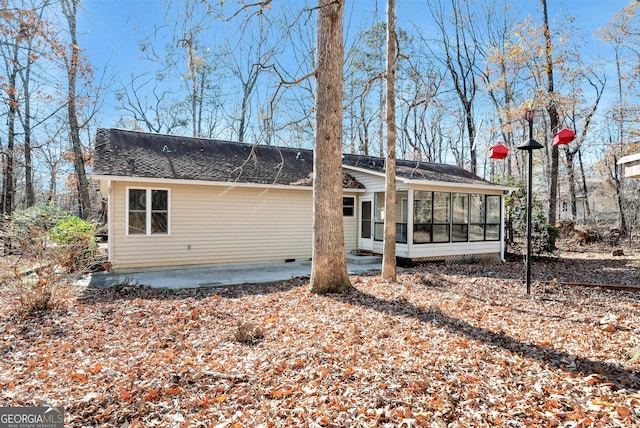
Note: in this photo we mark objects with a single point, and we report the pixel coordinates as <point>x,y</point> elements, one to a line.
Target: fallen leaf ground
<point>446,345</point>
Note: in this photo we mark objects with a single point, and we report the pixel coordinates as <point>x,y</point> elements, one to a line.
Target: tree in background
<point>552,111</point>
<point>623,36</point>
<point>462,57</point>
<point>329,267</point>
<point>75,68</point>
<point>581,111</point>
<point>29,45</point>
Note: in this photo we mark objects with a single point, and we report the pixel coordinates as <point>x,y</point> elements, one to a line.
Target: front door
<point>365,227</point>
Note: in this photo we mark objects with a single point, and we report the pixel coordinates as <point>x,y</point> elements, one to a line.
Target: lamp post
<point>529,146</point>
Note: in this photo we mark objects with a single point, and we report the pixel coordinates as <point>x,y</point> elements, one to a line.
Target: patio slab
<point>215,276</point>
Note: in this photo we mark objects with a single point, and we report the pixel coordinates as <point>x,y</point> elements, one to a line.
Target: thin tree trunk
<point>381,122</point>
<point>569,154</point>
<point>389,252</point>
<point>554,118</point>
<point>26,122</point>
<point>70,8</point>
<point>329,267</point>
<point>9,179</point>
<point>585,190</point>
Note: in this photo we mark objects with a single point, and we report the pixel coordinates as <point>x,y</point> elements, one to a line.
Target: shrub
<point>37,272</point>
<point>72,229</point>
<point>76,236</point>
<point>543,234</point>
<point>40,216</point>
<point>47,245</point>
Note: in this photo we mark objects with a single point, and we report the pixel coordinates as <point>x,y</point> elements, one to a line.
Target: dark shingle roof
<point>415,170</point>
<point>139,154</point>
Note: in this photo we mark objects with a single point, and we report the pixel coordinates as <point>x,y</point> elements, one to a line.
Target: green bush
<point>543,234</point>
<point>76,236</point>
<point>40,216</point>
<point>71,230</point>
<point>49,246</point>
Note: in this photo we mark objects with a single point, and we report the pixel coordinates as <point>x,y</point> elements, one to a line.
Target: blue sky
<point>110,29</point>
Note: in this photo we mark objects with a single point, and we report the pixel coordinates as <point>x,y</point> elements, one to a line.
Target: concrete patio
<point>212,276</point>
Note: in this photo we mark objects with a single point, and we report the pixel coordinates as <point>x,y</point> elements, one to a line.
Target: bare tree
<point>329,268</point>
<point>620,33</point>
<point>552,111</point>
<point>598,83</point>
<point>150,105</point>
<point>74,67</point>
<point>462,56</point>
<point>248,60</point>
<point>11,99</point>
<point>389,254</point>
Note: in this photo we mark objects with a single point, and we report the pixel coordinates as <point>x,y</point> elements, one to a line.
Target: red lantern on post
<point>564,137</point>
<point>499,151</point>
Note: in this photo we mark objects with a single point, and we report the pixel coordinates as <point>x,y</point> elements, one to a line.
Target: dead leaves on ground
<point>441,347</point>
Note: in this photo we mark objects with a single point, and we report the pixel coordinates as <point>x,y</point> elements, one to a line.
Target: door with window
<point>365,227</point>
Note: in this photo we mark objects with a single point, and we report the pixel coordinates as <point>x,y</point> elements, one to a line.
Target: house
<point>180,201</point>
<point>631,165</point>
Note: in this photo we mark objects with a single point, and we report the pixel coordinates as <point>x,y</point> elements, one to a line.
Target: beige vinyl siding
<point>632,169</point>
<point>373,183</point>
<point>217,225</point>
<point>350,225</point>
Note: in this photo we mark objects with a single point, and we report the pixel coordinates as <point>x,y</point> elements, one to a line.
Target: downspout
<point>409,223</point>
<point>109,222</point>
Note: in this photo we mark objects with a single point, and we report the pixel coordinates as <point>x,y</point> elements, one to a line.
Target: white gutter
<point>627,159</point>
<point>434,183</point>
<point>166,181</point>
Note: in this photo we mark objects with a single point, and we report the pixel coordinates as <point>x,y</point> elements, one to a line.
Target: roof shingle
<point>139,154</point>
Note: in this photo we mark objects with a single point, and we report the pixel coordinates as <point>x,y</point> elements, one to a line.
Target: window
<point>455,217</point>
<point>365,224</point>
<point>441,216</point>
<point>477,215</point>
<point>148,212</point>
<point>378,225</point>
<point>422,216</point>
<point>402,208</point>
<point>460,223</point>
<point>492,232</point>
<point>431,216</point>
<point>348,206</point>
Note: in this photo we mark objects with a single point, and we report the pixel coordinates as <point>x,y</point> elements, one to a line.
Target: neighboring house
<point>631,165</point>
<point>181,201</point>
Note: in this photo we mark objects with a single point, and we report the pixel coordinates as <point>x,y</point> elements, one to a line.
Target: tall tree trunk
<point>622,226</point>
<point>570,154</point>
<point>471,129</point>
<point>616,173</point>
<point>70,8</point>
<point>9,179</point>
<point>381,122</point>
<point>389,252</point>
<point>554,117</point>
<point>329,267</point>
<point>585,189</point>
<point>26,125</point>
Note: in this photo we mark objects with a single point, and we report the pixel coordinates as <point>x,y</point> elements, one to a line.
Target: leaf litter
<point>447,345</point>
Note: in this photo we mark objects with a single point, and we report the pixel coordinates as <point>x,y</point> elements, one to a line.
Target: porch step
<point>358,259</point>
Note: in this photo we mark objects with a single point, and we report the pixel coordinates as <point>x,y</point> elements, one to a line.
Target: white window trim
<point>148,211</point>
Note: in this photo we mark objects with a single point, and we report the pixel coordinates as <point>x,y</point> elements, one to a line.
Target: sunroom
<point>436,224</point>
